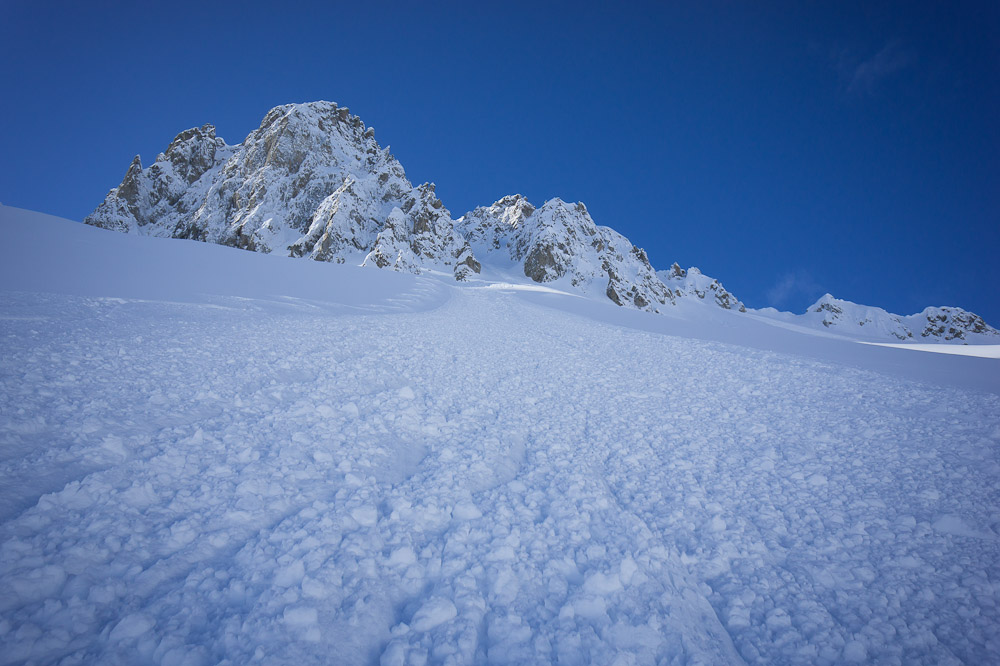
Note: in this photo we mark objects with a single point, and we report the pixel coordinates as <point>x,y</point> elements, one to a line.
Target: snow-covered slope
<point>863,322</point>
<point>220,457</point>
<point>310,181</point>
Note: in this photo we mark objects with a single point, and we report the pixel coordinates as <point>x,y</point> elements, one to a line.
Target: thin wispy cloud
<point>791,285</point>
<point>863,75</point>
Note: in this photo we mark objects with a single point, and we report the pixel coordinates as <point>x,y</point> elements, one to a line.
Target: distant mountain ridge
<point>936,324</point>
<point>313,182</point>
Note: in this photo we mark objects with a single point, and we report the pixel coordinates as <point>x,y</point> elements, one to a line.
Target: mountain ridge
<point>942,323</point>
<point>312,181</point>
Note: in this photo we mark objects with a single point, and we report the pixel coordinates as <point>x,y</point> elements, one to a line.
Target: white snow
<point>982,351</point>
<point>215,456</point>
<point>435,612</point>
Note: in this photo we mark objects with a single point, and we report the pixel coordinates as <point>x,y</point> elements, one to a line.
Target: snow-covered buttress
<point>692,282</point>
<point>560,241</point>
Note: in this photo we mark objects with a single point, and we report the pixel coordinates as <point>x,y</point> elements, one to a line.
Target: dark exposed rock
<point>192,152</point>
<point>612,294</point>
<point>541,265</point>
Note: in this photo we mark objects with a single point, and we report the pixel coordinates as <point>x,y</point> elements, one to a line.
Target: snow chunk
<point>40,583</point>
<point>466,511</point>
<point>817,480</point>
<point>628,570</point>
<point>290,575</point>
<point>434,612</point>
<point>855,652</point>
<point>716,524</point>
<point>402,557</point>
<point>602,584</point>
<point>950,524</point>
<point>115,445</point>
<point>131,627</point>
<point>366,516</point>
<point>300,616</point>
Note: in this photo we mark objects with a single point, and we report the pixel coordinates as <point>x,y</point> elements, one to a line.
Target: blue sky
<point>788,149</point>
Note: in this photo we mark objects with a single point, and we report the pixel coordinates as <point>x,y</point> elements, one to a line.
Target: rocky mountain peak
<point>310,181</point>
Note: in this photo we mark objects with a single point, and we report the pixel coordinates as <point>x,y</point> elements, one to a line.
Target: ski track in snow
<point>472,478</point>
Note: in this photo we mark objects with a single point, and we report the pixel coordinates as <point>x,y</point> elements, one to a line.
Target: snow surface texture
<point>312,181</point>
<point>297,462</point>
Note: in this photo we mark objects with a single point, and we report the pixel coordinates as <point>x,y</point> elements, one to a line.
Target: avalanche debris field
<point>396,470</point>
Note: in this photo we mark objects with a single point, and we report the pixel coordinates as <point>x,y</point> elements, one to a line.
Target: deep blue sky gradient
<point>787,149</point>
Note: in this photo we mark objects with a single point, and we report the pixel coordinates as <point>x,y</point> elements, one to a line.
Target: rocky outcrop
<point>310,181</point>
<point>560,242</point>
<point>691,283</point>
<point>947,323</point>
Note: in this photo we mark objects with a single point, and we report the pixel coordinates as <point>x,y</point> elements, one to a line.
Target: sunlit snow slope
<point>216,456</point>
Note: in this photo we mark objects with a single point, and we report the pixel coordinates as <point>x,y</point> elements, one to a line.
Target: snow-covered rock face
<point>561,242</point>
<point>168,191</point>
<point>691,282</point>
<point>942,324</point>
<point>310,181</point>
